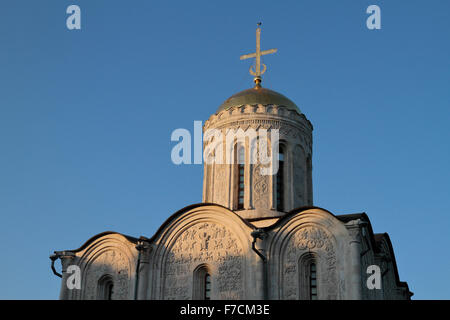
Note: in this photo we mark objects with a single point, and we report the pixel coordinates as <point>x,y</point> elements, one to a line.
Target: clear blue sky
<point>86,118</point>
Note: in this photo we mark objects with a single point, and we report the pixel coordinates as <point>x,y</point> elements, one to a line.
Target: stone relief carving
<point>297,131</point>
<point>300,182</point>
<point>304,240</point>
<point>285,128</point>
<point>261,183</point>
<point>221,183</point>
<point>257,109</point>
<point>110,262</point>
<point>204,243</point>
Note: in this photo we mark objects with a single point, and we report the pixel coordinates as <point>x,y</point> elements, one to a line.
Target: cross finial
<point>257,72</point>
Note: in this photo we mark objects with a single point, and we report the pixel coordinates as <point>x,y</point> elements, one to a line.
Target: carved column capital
<point>67,258</point>
<point>354,229</point>
<point>145,248</point>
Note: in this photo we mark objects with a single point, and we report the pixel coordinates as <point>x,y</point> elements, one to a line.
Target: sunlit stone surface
<point>215,238</point>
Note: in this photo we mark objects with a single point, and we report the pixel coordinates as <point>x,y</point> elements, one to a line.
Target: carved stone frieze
<point>112,262</point>
<point>261,184</point>
<point>299,168</point>
<point>210,244</point>
<point>304,241</point>
<point>266,110</point>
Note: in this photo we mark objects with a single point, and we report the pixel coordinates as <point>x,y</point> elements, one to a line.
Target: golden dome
<point>258,95</point>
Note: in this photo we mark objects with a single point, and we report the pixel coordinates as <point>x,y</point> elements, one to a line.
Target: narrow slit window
<point>240,178</point>
<point>105,288</point>
<point>202,288</point>
<point>280,179</point>
<point>109,290</point>
<point>313,281</point>
<point>207,287</point>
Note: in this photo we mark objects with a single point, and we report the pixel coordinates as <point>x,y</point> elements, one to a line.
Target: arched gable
<point>203,234</point>
<point>393,288</point>
<point>107,254</point>
<point>313,232</point>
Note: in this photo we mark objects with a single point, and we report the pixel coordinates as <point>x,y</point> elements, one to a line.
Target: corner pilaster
<point>354,230</point>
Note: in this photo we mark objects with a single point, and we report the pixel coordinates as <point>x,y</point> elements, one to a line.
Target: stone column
<point>261,275</point>
<point>261,284</point>
<point>67,259</point>
<point>353,228</point>
<point>144,271</point>
<point>248,179</point>
<point>289,178</point>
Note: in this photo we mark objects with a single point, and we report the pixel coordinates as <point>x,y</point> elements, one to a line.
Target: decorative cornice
<point>288,129</point>
<point>354,229</point>
<point>271,111</point>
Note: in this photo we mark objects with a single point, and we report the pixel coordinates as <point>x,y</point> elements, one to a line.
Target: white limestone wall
<point>295,132</point>
<point>208,236</point>
<point>217,238</point>
<point>318,234</point>
<point>110,255</point>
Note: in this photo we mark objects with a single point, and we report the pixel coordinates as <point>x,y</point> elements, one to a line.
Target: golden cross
<point>258,72</point>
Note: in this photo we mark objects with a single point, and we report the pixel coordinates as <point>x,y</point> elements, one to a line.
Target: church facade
<point>254,236</point>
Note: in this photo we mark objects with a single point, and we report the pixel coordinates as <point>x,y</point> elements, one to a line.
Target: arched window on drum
<point>280,183</point>
<point>239,177</point>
